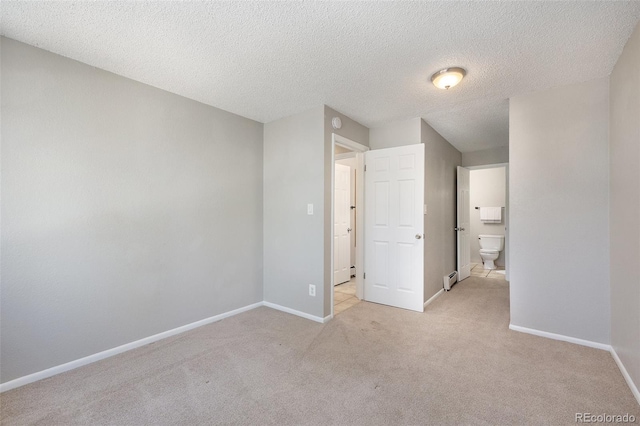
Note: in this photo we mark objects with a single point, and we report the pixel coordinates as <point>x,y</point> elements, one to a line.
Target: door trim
<point>359,149</point>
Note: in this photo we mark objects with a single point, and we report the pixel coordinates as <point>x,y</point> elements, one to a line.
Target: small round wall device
<point>336,122</point>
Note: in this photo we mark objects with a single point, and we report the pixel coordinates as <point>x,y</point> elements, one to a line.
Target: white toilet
<point>490,248</point>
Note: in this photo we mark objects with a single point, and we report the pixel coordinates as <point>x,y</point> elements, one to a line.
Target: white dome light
<point>448,77</point>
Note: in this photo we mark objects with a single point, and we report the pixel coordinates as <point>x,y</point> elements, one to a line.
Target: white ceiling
<point>371,61</point>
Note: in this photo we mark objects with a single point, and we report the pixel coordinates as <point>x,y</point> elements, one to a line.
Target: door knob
<point>458,229</point>
<point>348,229</point>
<point>418,236</point>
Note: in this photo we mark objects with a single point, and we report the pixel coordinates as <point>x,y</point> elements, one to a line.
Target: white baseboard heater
<point>450,280</point>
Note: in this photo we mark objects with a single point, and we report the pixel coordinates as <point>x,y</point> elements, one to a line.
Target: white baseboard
<point>432,298</point>
<point>561,337</point>
<point>21,381</point>
<point>625,374</point>
<point>297,313</point>
<point>596,345</point>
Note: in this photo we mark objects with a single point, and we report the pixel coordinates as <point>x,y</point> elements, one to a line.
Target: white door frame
<point>359,149</point>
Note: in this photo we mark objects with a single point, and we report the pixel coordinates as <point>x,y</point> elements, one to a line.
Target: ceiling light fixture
<point>448,77</point>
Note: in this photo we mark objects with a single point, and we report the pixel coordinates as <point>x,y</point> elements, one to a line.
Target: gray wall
<point>350,129</point>
<point>398,133</point>
<point>558,200</point>
<point>126,210</point>
<point>358,133</point>
<point>441,160</point>
<point>294,176</point>
<point>297,172</point>
<point>499,155</point>
<point>624,152</point>
<point>487,189</point>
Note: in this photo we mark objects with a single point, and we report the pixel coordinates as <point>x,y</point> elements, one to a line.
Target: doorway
<point>483,222</point>
<point>347,220</point>
<point>389,225</point>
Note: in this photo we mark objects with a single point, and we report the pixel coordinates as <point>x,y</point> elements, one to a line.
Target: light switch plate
<point>309,209</point>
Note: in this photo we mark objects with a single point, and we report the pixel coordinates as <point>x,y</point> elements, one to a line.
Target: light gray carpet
<point>455,364</point>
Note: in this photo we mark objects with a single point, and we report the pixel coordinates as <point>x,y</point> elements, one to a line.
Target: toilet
<point>490,248</point>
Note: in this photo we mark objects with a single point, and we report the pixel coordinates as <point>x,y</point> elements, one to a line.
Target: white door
<point>352,217</point>
<point>342,225</point>
<point>394,227</point>
<point>463,225</point>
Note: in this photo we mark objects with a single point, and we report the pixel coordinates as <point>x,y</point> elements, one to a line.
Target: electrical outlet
<point>312,290</point>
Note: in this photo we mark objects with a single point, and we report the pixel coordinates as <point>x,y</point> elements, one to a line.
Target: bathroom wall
<point>127,211</point>
<point>487,189</point>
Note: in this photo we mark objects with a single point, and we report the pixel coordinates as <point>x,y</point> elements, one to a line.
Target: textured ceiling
<point>371,61</point>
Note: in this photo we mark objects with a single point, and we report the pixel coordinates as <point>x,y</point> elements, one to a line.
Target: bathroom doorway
<point>486,222</point>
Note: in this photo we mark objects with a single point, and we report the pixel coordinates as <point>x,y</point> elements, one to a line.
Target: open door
<point>394,227</point>
<point>463,225</point>
<point>342,225</point>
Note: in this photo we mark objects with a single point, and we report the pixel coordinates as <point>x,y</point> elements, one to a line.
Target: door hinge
<point>365,167</point>
<point>365,276</point>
